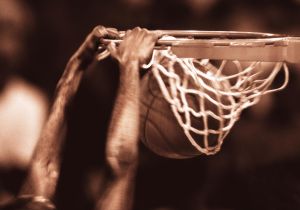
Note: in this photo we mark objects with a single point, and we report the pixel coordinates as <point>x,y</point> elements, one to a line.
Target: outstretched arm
<point>122,141</point>
<point>45,164</point>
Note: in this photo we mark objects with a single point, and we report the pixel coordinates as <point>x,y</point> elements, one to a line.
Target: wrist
<point>129,73</point>
<point>132,63</point>
<point>129,68</point>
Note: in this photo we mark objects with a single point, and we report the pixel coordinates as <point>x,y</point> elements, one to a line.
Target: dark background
<point>258,167</point>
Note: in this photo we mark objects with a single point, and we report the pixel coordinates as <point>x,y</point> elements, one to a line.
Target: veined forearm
<point>124,128</point>
<point>122,145</point>
<point>45,166</point>
<point>122,142</point>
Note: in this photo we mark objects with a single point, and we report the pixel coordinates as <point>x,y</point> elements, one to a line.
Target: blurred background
<point>258,167</point>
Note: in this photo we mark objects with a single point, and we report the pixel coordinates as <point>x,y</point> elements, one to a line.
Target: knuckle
<point>145,30</point>
<point>112,29</point>
<point>99,30</point>
<point>137,29</point>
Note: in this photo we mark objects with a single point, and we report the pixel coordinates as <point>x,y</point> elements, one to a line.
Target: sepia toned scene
<point>149,105</point>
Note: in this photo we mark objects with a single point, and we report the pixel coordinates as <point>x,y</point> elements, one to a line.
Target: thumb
<point>111,47</point>
<point>158,34</point>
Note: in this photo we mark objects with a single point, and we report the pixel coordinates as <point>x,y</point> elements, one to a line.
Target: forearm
<point>122,141</point>
<point>45,164</point>
<point>124,127</point>
<point>44,169</point>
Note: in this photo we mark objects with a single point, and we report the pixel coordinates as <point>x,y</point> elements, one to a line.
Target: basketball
<point>161,131</point>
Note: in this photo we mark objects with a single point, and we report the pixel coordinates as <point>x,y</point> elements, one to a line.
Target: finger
<point>145,30</point>
<point>111,47</point>
<point>137,35</point>
<point>102,55</point>
<point>100,31</point>
<point>155,35</point>
<point>113,33</point>
<point>127,33</point>
<point>137,29</point>
<point>88,49</point>
<point>129,37</point>
<point>93,39</point>
<point>158,34</point>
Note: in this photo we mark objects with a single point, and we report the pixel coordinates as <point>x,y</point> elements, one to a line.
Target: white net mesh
<point>207,97</point>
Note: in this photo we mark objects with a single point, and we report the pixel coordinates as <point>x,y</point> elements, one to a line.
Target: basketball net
<point>207,97</point>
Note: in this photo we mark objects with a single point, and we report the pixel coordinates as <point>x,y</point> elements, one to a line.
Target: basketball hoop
<point>209,77</point>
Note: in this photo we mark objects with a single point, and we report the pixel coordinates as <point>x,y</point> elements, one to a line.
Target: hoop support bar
<point>228,45</point>
<point>258,53</point>
<point>293,50</point>
<point>276,50</point>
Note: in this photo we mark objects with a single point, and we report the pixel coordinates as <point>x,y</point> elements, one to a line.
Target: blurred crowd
<point>258,165</point>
